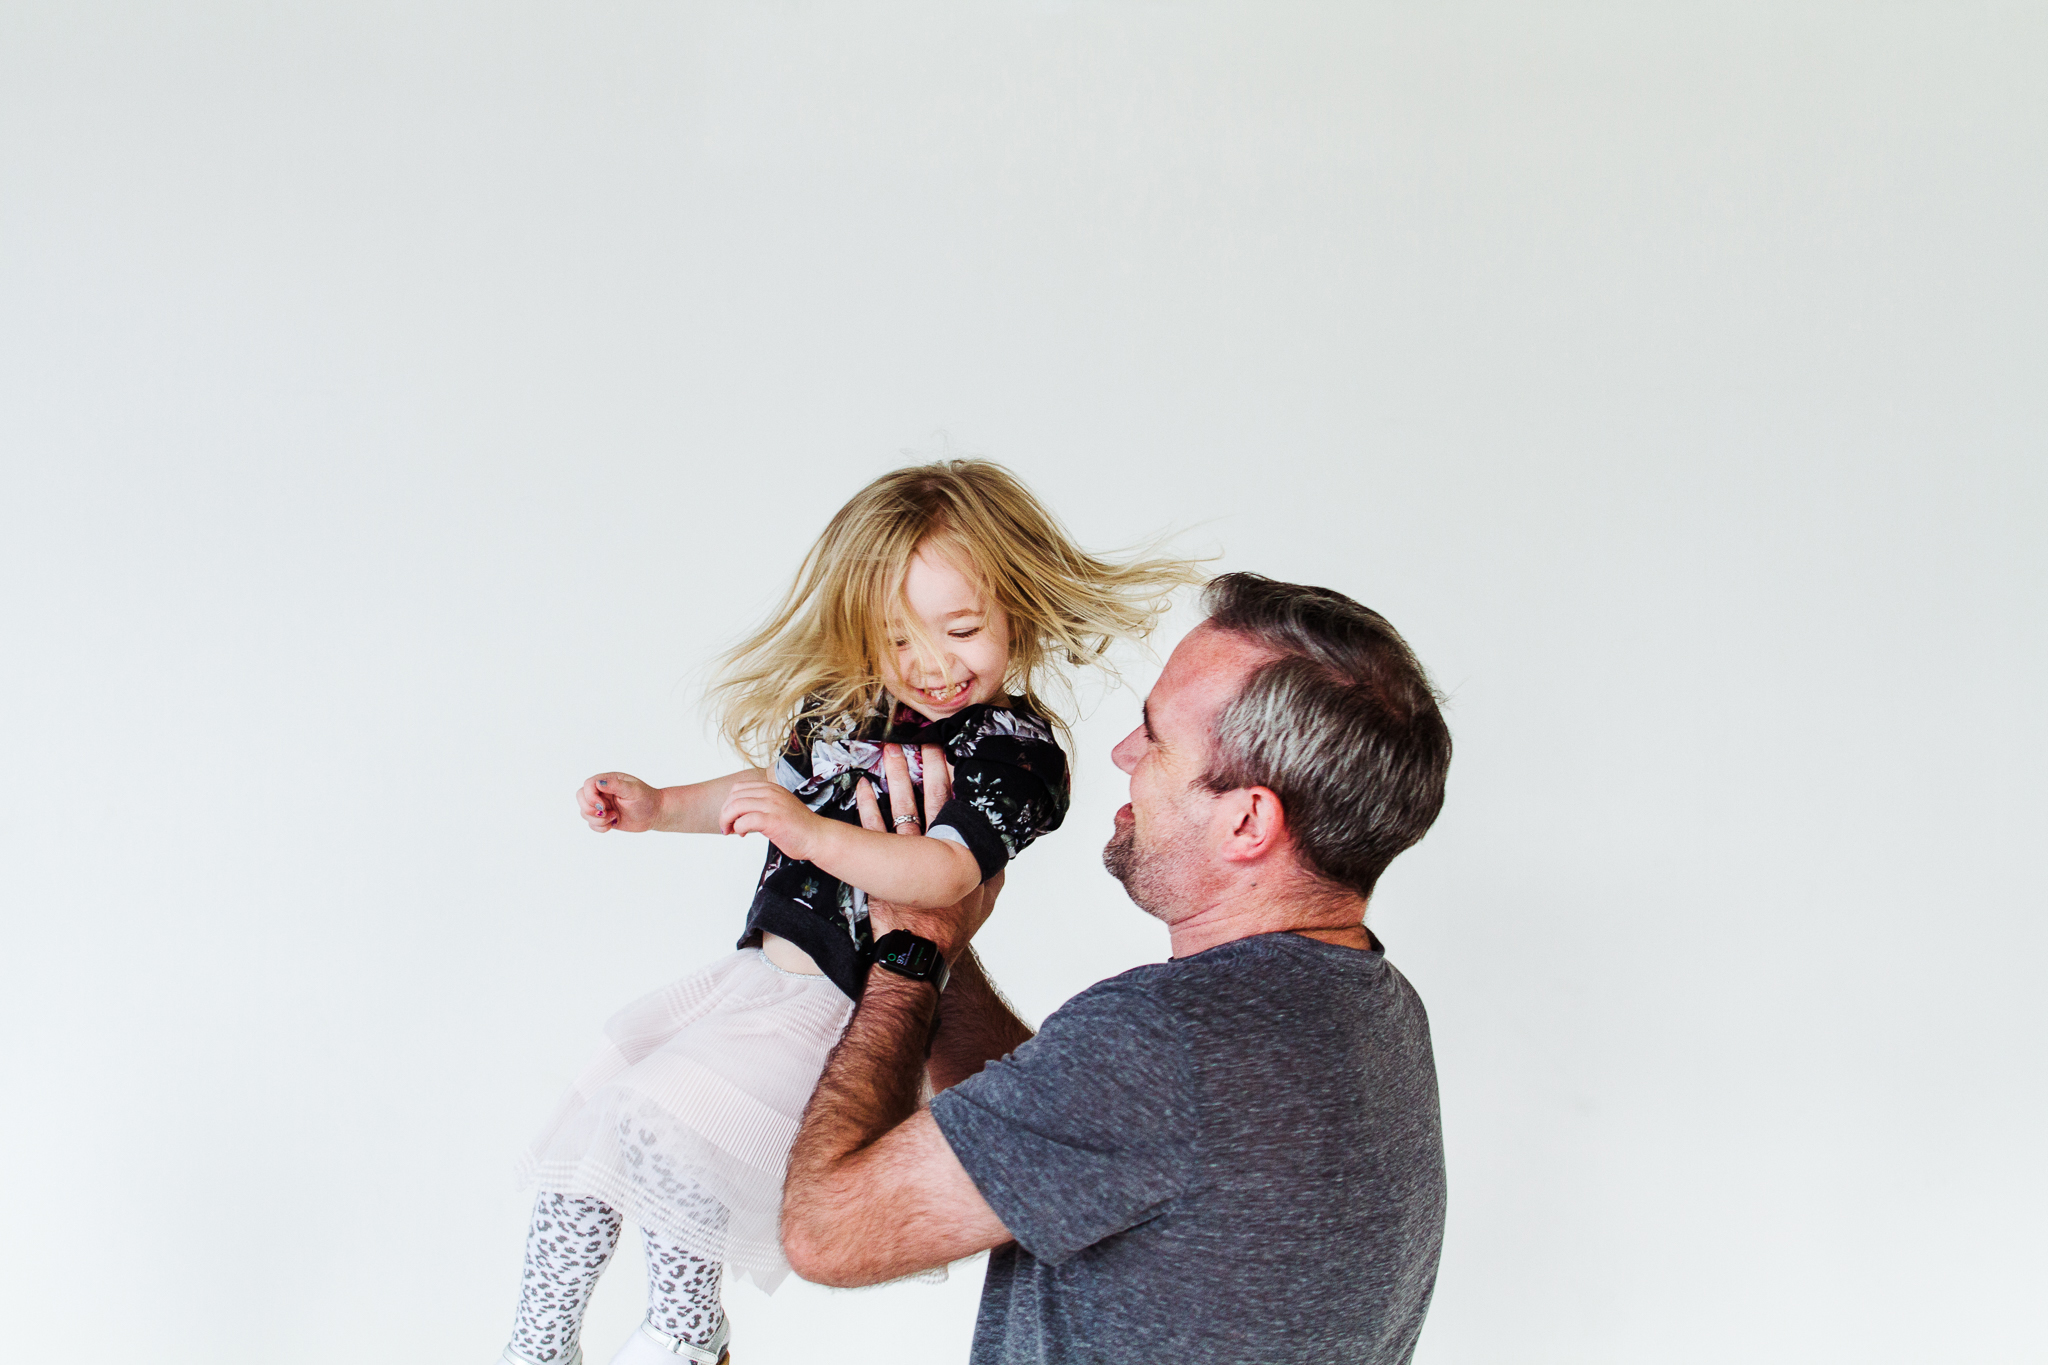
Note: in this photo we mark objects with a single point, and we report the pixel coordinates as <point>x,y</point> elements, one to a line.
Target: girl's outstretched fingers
<point>618,801</point>
<point>594,806</point>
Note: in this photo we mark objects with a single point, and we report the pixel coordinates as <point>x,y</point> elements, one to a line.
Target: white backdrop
<point>401,402</point>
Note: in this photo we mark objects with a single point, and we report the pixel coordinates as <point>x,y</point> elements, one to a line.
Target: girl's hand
<point>768,808</point>
<point>618,801</point>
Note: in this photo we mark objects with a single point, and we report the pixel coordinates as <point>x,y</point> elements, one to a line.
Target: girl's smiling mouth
<point>945,696</point>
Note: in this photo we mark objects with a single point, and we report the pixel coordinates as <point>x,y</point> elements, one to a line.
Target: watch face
<point>911,956</point>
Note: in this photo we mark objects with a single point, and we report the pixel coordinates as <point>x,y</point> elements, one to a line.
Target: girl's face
<point>966,652</point>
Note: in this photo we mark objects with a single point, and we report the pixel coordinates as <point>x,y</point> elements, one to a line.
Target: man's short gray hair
<point>1343,726</point>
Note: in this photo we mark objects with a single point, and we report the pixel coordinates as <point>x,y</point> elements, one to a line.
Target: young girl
<point>933,610</point>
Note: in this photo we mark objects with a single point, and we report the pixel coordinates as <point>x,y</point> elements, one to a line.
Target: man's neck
<point>1338,920</point>
<point>1356,936</point>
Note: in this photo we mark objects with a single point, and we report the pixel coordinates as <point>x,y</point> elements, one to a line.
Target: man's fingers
<point>938,781</point>
<point>870,807</point>
<point>902,796</point>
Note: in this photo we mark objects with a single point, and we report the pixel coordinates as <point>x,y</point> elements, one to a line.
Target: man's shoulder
<point>1142,995</point>
<point>1264,977</point>
<point>1261,982</point>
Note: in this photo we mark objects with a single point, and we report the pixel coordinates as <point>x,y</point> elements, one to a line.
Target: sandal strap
<point>713,1353</point>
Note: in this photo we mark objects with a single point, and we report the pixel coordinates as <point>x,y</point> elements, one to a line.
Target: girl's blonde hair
<point>817,652</point>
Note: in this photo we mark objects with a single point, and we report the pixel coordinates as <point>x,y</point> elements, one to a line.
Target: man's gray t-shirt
<point>1234,1156</point>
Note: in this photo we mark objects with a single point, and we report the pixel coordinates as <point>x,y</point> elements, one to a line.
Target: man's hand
<point>763,807</point>
<point>951,928</point>
<point>620,801</point>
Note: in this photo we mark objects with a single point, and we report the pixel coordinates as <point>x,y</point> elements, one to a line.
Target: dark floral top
<point>1010,785</point>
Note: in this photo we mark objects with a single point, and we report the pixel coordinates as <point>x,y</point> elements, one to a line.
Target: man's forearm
<point>870,1084</point>
<point>976,1025</point>
<point>875,1190</point>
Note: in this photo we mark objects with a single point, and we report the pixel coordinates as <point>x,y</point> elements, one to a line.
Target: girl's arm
<point>622,801</point>
<point>928,874</point>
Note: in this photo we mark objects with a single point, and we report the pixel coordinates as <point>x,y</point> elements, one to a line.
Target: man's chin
<point>1119,855</point>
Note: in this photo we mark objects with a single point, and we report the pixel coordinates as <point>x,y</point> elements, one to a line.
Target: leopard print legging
<point>567,1247</point>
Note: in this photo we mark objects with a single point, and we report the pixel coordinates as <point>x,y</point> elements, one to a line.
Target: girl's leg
<point>682,1293</point>
<point>566,1250</point>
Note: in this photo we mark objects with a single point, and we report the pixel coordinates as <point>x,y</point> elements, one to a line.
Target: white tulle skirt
<point>684,1119</point>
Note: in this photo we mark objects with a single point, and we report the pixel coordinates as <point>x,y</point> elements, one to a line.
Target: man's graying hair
<point>1343,726</point>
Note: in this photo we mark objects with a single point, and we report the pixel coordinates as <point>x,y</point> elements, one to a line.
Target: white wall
<point>399,402</point>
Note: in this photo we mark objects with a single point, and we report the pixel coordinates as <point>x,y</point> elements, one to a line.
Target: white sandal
<point>676,1348</point>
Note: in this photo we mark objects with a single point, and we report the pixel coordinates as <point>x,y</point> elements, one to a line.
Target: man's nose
<point>1125,754</point>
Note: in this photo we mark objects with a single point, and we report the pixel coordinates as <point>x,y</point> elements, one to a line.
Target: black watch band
<point>905,954</point>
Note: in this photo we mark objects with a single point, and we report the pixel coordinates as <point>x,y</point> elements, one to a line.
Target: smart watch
<point>905,954</point>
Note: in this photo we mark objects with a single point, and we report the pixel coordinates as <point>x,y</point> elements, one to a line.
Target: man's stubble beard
<point>1145,872</point>
<point>1120,854</point>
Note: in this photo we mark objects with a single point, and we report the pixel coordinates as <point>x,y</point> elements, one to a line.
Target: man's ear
<point>1256,824</point>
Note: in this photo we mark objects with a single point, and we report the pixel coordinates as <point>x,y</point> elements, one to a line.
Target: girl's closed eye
<point>950,649</point>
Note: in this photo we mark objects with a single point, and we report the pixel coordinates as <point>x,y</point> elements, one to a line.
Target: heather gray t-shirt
<point>1229,1157</point>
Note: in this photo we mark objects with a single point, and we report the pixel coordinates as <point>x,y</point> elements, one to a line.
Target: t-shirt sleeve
<point>1009,787</point>
<point>1084,1131</point>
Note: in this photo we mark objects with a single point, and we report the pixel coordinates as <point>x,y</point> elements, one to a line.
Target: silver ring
<point>903,820</point>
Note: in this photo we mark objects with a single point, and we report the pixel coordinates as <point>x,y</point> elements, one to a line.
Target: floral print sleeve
<point>1010,785</point>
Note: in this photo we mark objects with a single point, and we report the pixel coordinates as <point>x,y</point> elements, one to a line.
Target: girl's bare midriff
<point>788,956</point>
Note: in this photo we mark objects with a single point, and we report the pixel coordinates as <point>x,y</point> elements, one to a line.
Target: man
<point>1230,1156</point>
